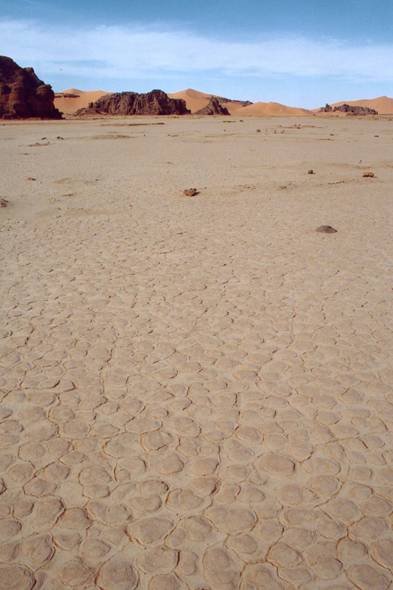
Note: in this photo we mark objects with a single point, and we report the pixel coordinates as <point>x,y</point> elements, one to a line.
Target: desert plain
<point>196,393</point>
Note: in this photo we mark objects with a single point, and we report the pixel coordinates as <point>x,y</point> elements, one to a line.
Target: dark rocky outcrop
<point>155,102</point>
<point>241,103</point>
<point>23,95</point>
<point>214,107</point>
<point>350,109</point>
<point>326,109</point>
<point>346,108</point>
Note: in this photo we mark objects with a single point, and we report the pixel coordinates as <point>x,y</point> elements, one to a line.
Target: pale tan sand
<point>196,392</point>
<point>68,105</point>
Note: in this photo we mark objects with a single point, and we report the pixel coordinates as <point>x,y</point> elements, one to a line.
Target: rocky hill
<point>155,102</point>
<point>23,95</point>
<point>214,107</point>
<point>350,109</point>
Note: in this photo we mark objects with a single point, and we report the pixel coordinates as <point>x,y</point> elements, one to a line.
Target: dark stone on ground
<point>326,229</point>
<point>190,192</point>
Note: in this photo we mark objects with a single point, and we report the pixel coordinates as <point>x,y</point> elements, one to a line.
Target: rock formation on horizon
<point>241,103</point>
<point>214,107</point>
<point>155,102</point>
<point>351,110</point>
<point>23,95</point>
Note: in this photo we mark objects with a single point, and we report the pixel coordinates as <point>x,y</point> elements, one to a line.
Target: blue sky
<point>301,53</point>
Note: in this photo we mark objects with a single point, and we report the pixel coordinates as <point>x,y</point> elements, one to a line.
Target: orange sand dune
<point>382,104</point>
<point>194,100</point>
<point>271,109</point>
<point>68,105</point>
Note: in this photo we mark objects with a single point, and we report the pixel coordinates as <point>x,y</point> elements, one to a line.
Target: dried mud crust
<point>198,406</point>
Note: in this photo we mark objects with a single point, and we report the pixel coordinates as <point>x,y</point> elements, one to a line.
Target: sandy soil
<point>196,392</point>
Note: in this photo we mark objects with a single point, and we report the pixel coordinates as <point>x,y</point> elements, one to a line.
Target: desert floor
<point>196,392</point>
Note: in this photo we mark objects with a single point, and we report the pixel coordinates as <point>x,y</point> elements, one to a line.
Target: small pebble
<point>368,175</point>
<point>30,178</point>
<point>326,229</point>
<point>258,130</point>
<point>311,172</point>
<point>3,202</point>
<point>190,192</point>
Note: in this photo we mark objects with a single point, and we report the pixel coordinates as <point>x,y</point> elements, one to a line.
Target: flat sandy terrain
<point>196,392</point>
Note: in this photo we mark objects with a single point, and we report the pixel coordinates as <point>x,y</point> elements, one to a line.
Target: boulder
<point>326,109</point>
<point>23,95</point>
<point>214,107</point>
<point>155,102</point>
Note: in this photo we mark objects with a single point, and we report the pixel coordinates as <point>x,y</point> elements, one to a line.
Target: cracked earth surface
<point>196,393</point>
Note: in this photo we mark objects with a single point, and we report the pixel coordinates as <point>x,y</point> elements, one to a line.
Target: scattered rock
<point>58,137</point>
<point>23,95</point>
<point>214,107</point>
<point>326,229</point>
<point>30,178</point>
<point>258,130</point>
<point>155,102</point>
<point>368,175</point>
<point>311,172</point>
<point>4,202</point>
<point>190,192</point>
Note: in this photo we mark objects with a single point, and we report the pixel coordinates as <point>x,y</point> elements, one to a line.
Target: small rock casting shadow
<point>326,229</point>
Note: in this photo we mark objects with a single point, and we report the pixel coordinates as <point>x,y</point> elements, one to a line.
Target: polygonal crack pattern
<point>199,416</point>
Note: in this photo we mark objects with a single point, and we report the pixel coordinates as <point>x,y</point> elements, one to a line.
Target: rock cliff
<point>23,95</point>
<point>155,102</point>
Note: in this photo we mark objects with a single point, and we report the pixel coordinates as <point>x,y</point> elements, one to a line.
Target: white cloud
<point>120,52</point>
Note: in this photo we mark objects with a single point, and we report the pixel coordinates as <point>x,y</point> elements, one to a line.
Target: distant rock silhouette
<point>351,110</point>
<point>214,107</point>
<point>155,102</point>
<point>241,103</point>
<point>23,95</point>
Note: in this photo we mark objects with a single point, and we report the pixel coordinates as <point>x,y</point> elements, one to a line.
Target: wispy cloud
<point>120,52</point>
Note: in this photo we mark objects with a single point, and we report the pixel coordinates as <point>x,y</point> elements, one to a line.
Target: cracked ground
<point>196,393</point>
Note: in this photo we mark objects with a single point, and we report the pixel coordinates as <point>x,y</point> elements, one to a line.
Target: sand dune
<point>271,109</point>
<point>382,104</point>
<point>196,100</point>
<point>79,100</point>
